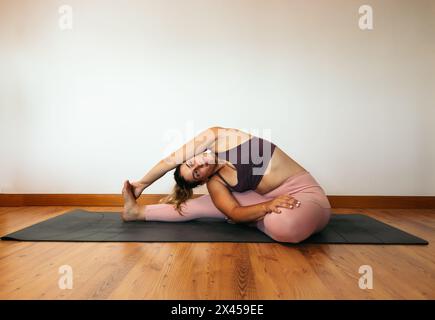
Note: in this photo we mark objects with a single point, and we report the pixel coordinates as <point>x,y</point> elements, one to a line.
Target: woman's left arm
<point>197,145</point>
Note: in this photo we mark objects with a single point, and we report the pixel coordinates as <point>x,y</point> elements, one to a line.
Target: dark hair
<point>181,192</point>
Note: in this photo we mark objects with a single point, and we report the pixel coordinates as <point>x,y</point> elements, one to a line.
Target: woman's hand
<point>284,201</point>
<point>137,188</point>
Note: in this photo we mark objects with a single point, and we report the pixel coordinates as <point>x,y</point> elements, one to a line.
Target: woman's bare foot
<point>131,208</point>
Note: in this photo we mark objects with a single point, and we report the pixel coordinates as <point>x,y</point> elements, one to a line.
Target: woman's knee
<point>288,233</point>
<point>293,225</point>
<point>289,237</point>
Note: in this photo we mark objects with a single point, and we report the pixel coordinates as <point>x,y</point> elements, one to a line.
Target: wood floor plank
<point>30,270</point>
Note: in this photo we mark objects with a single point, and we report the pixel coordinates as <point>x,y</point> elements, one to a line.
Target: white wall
<point>83,109</point>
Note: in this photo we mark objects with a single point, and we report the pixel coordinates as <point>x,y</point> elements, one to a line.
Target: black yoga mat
<point>85,226</point>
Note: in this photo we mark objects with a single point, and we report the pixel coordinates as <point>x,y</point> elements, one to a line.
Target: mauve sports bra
<point>250,159</point>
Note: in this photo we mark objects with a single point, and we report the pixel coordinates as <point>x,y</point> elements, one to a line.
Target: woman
<point>249,179</point>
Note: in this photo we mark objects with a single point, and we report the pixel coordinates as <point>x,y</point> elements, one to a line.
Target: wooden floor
<point>30,270</point>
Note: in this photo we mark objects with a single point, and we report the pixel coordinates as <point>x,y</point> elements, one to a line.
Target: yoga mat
<point>84,226</point>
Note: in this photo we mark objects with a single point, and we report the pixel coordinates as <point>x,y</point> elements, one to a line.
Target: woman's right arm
<point>225,201</point>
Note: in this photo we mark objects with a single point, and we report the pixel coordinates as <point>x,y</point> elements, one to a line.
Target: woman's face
<point>198,168</point>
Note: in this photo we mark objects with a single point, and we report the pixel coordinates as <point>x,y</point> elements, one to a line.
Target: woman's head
<point>198,169</point>
<point>188,175</point>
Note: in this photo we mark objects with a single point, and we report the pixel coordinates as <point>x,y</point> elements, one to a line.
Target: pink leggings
<point>291,225</point>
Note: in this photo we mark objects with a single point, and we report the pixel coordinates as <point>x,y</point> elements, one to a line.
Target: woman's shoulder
<point>216,178</point>
<point>229,138</point>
